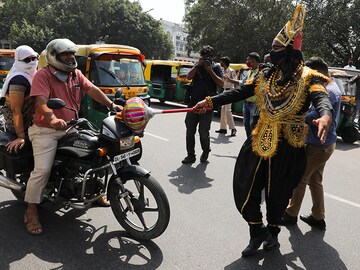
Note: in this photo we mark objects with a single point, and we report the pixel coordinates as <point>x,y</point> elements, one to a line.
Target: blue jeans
<point>248,113</point>
<point>192,120</point>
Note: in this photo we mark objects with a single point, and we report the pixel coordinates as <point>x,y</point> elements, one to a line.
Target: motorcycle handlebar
<point>71,122</point>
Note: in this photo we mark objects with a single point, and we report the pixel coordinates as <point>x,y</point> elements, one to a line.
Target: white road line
<point>342,200</point>
<point>158,137</point>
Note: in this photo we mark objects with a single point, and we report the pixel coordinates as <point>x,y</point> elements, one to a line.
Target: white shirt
<point>350,67</point>
<point>232,75</point>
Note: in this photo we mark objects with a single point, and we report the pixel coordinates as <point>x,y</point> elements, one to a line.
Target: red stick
<point>183,110</point>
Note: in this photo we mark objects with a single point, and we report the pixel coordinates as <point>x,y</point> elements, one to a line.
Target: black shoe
<point>189,159</point>
<point>316,223</point>
<point>254,244</point>
<point>271,242</point>
<point>223,131</point>
<point>288,220</point>
<point>204,156</point>
<point>233,132</point>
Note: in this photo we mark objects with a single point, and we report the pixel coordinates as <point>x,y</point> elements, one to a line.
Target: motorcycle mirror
<point>55,103</point>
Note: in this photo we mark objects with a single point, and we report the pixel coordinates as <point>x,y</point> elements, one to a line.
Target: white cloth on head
<point>19,67</point>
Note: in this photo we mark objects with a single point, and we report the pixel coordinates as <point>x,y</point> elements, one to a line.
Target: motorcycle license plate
<point>126,155</point>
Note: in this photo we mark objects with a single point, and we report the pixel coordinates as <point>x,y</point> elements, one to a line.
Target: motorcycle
<point>90,163</point>
<point>347,128</point>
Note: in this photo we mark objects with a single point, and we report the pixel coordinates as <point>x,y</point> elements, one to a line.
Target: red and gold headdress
<point>292,31</point>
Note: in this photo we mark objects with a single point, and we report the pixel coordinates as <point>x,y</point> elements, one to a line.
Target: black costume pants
<point>279,175</point>
<point>192,120</point>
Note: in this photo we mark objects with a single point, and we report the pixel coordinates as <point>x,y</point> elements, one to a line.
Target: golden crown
<point>293,27</point>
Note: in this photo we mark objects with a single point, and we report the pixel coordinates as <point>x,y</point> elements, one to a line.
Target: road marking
<point>158,137</point>
<point>342,200</point>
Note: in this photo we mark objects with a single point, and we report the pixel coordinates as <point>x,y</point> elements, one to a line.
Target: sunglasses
<point>29,59</point>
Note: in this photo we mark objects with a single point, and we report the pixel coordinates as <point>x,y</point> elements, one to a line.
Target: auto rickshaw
<point>346,128</point>
<point>7,59</point>
<point>240,69</point>
<point>167,80</point>
<point>111,67</point>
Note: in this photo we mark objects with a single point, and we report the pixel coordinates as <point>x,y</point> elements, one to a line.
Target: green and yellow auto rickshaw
<point>111,67</point>
<point>241,71</point>
<point>167,80</point>
<point>7,59</point>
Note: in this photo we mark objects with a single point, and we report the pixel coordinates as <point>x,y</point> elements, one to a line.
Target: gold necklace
<point>275,91</point>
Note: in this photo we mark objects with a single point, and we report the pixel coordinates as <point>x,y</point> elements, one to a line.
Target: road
<point>205,231</point>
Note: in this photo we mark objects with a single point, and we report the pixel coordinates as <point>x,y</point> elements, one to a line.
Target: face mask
<point>30,65</point>
<point>276,56</point>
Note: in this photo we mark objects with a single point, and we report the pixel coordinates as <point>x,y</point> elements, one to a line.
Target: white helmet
<point>57,46</point>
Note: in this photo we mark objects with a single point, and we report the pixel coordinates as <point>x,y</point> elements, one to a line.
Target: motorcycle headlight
<point>127,142</point>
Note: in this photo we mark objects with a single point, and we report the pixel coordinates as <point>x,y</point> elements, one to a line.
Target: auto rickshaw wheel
<point>350,134</point>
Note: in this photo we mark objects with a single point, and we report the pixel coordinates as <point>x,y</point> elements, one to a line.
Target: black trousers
<point>192,120</point>
<point>279,175</point>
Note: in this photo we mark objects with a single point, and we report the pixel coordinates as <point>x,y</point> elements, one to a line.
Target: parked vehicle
<point>7,59</point>
<point>110,67</point>
<point>241,71</point>
<point>90,163</point>
<point>347,128</point>
<point>167,80</point>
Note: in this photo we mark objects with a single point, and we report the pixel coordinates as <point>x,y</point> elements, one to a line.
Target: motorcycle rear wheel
<point>151,207</point>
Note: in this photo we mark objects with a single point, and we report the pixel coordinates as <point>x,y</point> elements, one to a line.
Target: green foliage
<point>36,22</point>
<point>237,27</point>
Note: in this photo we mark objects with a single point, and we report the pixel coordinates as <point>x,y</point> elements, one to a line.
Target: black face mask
<point>276,56</point>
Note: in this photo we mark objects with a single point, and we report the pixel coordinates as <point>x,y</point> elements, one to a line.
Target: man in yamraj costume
<point>273,157</point>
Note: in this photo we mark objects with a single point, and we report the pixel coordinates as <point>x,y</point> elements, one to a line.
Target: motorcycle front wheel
<point>151,211</point>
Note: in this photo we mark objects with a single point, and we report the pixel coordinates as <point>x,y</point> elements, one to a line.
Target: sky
<point>169,10</point>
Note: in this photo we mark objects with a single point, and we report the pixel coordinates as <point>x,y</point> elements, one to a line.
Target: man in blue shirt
<point>317,155</point>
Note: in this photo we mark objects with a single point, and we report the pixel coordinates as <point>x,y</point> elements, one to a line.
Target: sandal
<point>33,225</point>
<point>103,201</point>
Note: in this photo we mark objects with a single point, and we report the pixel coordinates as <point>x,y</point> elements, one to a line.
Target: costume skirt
<point>278,175</point>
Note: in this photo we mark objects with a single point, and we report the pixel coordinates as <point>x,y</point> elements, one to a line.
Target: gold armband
<point>209,101</point>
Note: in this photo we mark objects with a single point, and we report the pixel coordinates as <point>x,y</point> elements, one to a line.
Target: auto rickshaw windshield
<point>184,70</point>
<point>113,72</point>
<point>6,63</point>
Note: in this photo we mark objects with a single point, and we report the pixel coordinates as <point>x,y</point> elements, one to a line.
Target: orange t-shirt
<point>46,84</point>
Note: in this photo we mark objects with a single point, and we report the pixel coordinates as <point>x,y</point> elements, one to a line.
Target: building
<point>179,39</point>
<point>5,44</point>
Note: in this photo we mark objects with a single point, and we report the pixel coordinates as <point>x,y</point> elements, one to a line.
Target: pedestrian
<point>59,79</point>
<point>206,76</point>
<point>252,61</point>
<point>226,117</point>
<point>18,109</point>
<point>350,64</point>
<point>317,154</point>
<point>249,107</point>
<point>274,156</point>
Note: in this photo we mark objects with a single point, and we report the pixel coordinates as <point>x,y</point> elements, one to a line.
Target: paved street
<point>205,231</point>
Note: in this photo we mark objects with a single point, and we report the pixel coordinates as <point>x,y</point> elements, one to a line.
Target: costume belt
<point>267,133</point>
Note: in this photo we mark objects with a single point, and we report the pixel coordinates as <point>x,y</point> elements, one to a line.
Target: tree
<point>236,27</point>
<point>36,22</point>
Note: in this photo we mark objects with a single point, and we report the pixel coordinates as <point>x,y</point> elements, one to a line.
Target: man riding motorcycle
<point>59,79</point>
